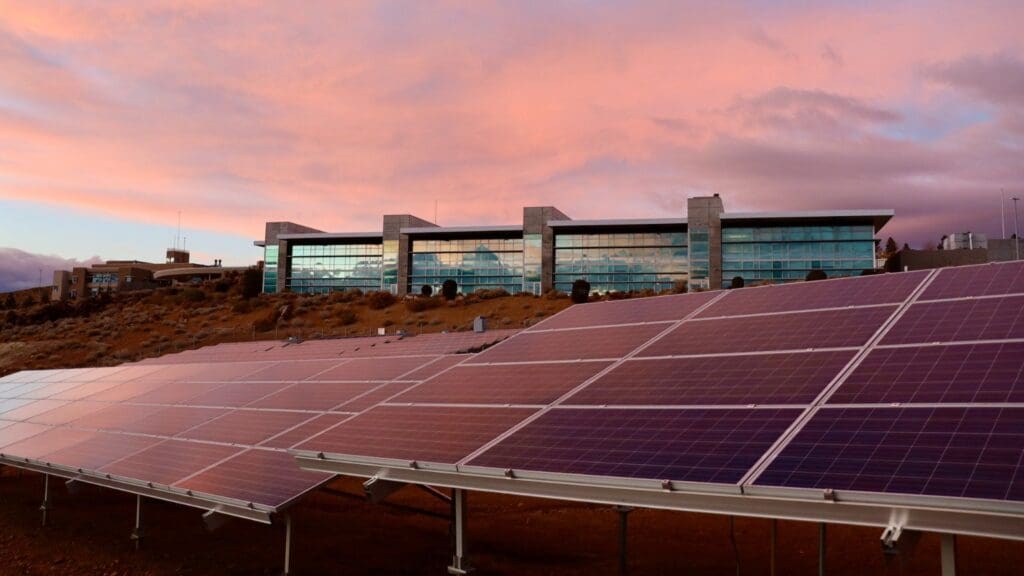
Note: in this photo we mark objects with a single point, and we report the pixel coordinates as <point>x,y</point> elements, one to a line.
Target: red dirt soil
<point>338,534</point>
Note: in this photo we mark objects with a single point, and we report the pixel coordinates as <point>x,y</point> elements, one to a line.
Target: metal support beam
<point>45,506</point>
<point>623,538</point>
<point>287,544</point>
<point>732,541</point>
<point>460,565</point>
<point>821,549</point>
<point>771,553</point>
<point>948,555</point>
<point>377,489</point>
<point>136,536</point>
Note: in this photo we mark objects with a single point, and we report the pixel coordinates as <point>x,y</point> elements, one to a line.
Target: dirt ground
<point>339,533</point>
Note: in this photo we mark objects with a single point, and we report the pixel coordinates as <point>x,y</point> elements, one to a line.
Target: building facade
<point>549,250</point>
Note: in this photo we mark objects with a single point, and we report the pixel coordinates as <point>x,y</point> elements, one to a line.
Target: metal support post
<point>948,555</point>
<point>623,538</point>
<point>821,549</point>
<point>136,536</point>
<point>287,544</point>
<point>45,506</point>
<point>771,552</point>
<point>460,565</point>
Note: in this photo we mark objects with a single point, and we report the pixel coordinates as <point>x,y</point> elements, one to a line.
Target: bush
<point>347,317</point>
<point>450,289</point>
<point>737,282</point>
<point>421,304</point>
<point>816,275</point>
<point>485,294</point>
<point>267,321</point>
<point>29,301</point>
<point>379,300</point>
<point>242,307</point>
<point>10,303</point>
<point>427,290</point>
<point>252,283</point>
<point>580,291</point>
<point>193,295</point>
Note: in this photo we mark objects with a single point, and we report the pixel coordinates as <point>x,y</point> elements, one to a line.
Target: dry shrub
<point>379,300</point>
<point>421,304</point>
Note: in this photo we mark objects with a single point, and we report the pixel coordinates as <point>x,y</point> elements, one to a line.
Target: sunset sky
<point>115,116</point>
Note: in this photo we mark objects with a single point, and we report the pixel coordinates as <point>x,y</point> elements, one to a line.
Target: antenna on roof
<point>1002,210</point>
<point>177,236</point>
<point>435,212</point>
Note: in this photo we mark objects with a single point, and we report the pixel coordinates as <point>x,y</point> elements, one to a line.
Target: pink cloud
<point>334,114</point>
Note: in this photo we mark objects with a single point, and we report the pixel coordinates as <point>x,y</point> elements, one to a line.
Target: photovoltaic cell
<point>320,396</point>
<point>660,309</point>
<point>306,430</point>
<point>176,392</point>
<point>687,445</point>
<point>248,427</point>
<point>67,413</point>
<point>503,383</point>
<point>374,397</point>
<point>786,378</point>
<point>258,476</point>
<point>19,431</point>
<point>436,367</point>
<point>39,445</point>
<point>173,420</point>
<point>372,369</point>
<point>959,452</point>
<point>930,374</point>
<point>236,394</point>
<point>984,280</point>
<point>32,409</point>
<point>425,434</point>
<point>170,461</point>
<point>960,320</point>
<point>839,293</point>
<point>116,417</point>
<point>585,344</point>
<point>792,331</point>
<point>291,371</point>
<point>100,449</point>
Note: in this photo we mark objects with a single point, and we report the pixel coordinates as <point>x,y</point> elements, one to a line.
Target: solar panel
<point>954,451</point>
<point>638,310</point>
<point>45,442</point>
<point>985,280</point>
<point>19,431</point>
<point>172,421</point>
<point>292,371</point>
<point>315,396</point>
<point>786,378</point>
<point>930,374</point>
<point>237,394</point>
<point>307,429</point>
<point>858,291</point>
<point>960,320</point>
<point>247,427</point>
<point>503,383</point>
<point>374,396</point>
<point>715,445</point>
<point>791,331</point>
<point>417,433</point>
<point>170,461</point>
<point>100,449</point>
<point>67,412</point>
<point>583,344</point>
<point>364,369</point>
<point>32,409</point>
<point>259,476</point>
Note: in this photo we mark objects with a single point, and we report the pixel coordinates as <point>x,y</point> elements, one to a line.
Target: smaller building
<point>960,249</point>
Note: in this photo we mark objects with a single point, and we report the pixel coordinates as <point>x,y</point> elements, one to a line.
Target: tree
<point>580,291</point>
<point>29,301</point>
<point>426,290</point>
<point>450,289</point>
<point>737,282</point>
<point>10,303</point>
<point>890,248</point>
<point>252,283</point>
<point>816,274</point>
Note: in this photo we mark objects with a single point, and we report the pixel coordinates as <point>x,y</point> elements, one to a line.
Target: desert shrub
<point>485,294</point>
<point>266,321</point>
<point>347,317</point>
<point>680,287</point>
<point>421,304</point>
<point>580,291</point>
<point>737,282</point>
<point>450,289</point>
<point>379,300</point>
<point>816,274</point>
<point>617,295</point>
<point>193,295</point>
<point>10,303</point>
<point>554,295</point>
<point>242,307</point>
<point>252,283</point>
<point>427,290</point>
<point>29,300</point>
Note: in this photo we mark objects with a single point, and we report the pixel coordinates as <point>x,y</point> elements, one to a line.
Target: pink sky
<point>332,113</point>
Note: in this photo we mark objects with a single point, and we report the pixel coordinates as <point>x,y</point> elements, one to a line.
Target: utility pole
<point>1016,229</point>
<point>1002,210</point>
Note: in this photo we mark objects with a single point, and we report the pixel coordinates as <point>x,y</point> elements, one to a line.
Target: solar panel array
<point>211,428</point>
<point>900,383</point>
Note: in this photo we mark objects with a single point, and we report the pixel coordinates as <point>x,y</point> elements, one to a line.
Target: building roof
<point>329,235</point>
<point>878,217</point>
<point>617,222</point>
<point>445,230</point>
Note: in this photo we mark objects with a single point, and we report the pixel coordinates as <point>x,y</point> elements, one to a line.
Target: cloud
<point>998,79</point>
<point>20,270</point>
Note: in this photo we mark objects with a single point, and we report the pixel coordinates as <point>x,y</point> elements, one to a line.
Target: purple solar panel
<point>960,452</point>
<point>51,390</point>
<point>984,280</point>
<point>787,378</point>
<point>100,449</point>
<point>237,394</point>
<point>116,417</point>
<point>39,445</point>
<point>374,397</point>
<point>124,392</point>
<point>32,409</point>
<point>961,373</point>
<point>688,445</point>
<point>655,309</point>
<point>319,396</point>
<point>425,434</point>
<point>172,421</point>
<point>67,413</point>
<point>435,367</point>
<point>170,461</point>
<point>304,431</point>
<point>584,344</point>
<point>792,331</point>
<point>838,293</point>
<point>503,383</point>
<point>86,390</point>
<point>247,427</point>
<point>960,320</point>
<point>365,369</point>
<point>259,476</point>
<point>176,392</point>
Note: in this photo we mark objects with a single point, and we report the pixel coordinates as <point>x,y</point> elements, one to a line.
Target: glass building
<point>551,251</point>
